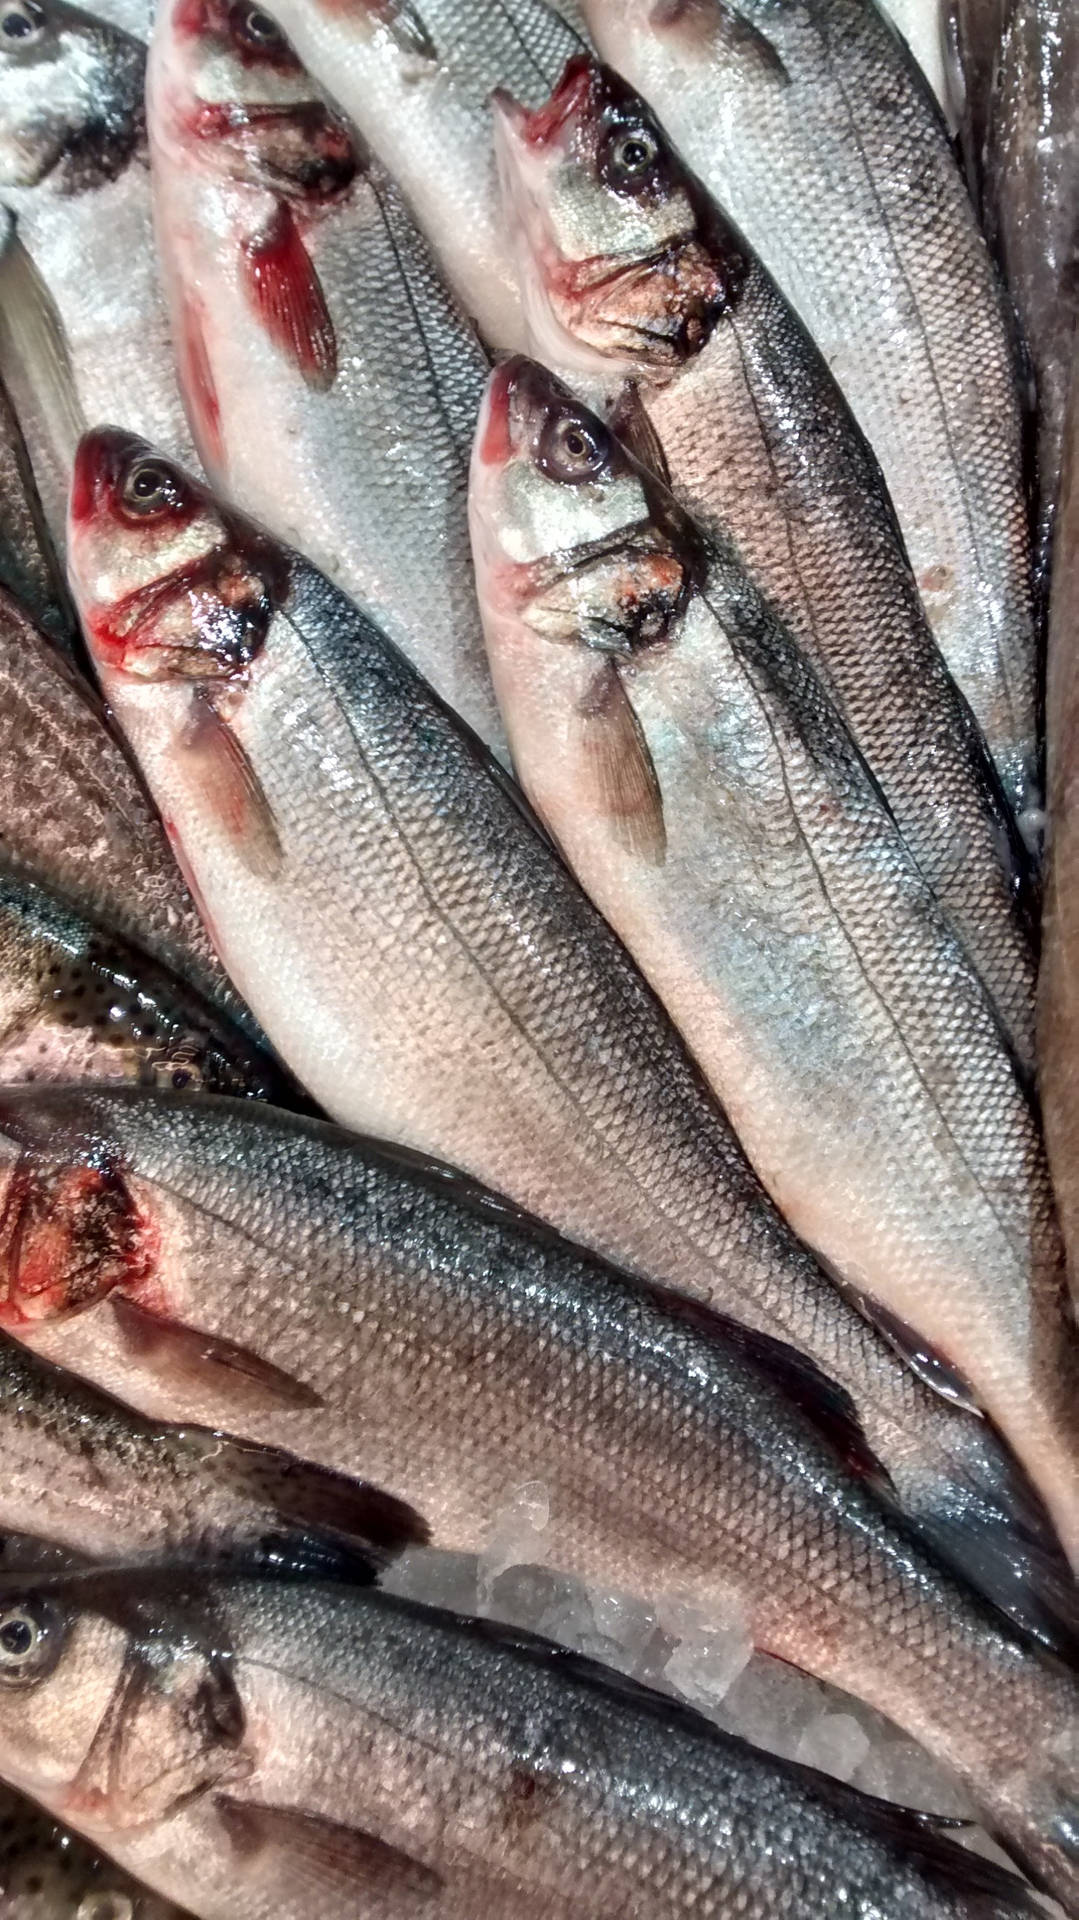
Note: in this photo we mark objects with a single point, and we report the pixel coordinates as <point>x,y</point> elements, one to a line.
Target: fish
<point>415,949</point>
<point>29,569</point>
<point>83,329</point>
<point>702,787</point>
<point>267,1747</point>
<point>77,1002</point>
<point>1058,988</point>
<point>629,265</point>
<point>1032,215</point>
<point>76,820</point>
<point>415,76</point>
<point>235,1214</point>
<point>812,128</point>
<point>921,25</point>
<point>331,381</point>
<point>48,1873</point>
<point>105,1482</point>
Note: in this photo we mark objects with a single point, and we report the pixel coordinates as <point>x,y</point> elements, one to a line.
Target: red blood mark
<point>68,1236</point>
<point>287,295</point>
<point>200,389</point>
<point>569,97</point>
<point>495,445</point>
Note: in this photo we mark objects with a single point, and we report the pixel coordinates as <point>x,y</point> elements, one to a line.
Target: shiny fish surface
<point>702,787</point>
<point>500,1025</point>
<point>416,77</point>
<point>47,1873</point>
<point>628,265</point>
<point>275,1749</point>
<point>809,125</point>
<point>331,381</point>
<point>83,332</point>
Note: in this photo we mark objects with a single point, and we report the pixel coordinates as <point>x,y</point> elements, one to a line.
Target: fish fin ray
<point>286,293</point>
<point>181,1355</point>
<point>218,763</point>
<point>308,1853</point>
<point>933,1369</point>
<point>622,785</point>
<point>630,423</point>
<point>317,1500</point>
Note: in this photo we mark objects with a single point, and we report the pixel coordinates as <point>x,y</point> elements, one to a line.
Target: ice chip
<point>836,1743</point>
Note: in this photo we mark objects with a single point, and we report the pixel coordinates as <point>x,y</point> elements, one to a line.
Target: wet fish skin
<point>29,570</point>
<point>350,434</point>
<point>874,242</point>
<point>83,330</point>
<point>973,38</point>
<point>79,1003</point>
<point>343,1740</point>
<point>636,272</point>
<point>47,1873</point>
<point>76,820</point>
<point>702,787</point>
<point>416,76</point>
<point>920,24</point>
<point>502,1026</point>
<point>105,1482</point>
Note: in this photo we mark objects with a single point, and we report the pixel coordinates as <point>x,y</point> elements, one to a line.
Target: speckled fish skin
<point>703,789</point>
<point>105,1482</point>
<point>635,270</point>
<point>1058,980</point>
<point>815,131</point>
<point>29,569</point>
<point>1032,212</point>
<point>351,437</point>
<point>291,1747</point>
<point>416,77</point>
<point>79,1003</point>
<point>75,817</point>
<point>83,332</point>
<point>48,1873</point>
<point>501,1025</point>
<point>237,1217</point>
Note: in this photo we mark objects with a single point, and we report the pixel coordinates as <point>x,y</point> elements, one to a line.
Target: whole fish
<point>83,330</point>
<point>1058,981</point>
<point>79,1003</point>
<point>416,77</point>
<point>29,570</point>
<point>812,128</point>
<point>234,1216</point>
<point>48,1873</point>
<point>265,1748</point>
<point>76,820</point>
<point>331,381</point>
<point>1032,212</point>
<point>701,785</point>
<point>629,265</point>
<point>419,954</point>
<point>101,1480</point>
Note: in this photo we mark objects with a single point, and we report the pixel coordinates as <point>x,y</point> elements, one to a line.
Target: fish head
<point>624,258</point>
<point>230,95</point>
<point>71,97</point>
<point>113,1712</point>
<point>174,589</point>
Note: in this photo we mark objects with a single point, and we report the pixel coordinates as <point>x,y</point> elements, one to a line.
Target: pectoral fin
<point>307,1855</point>
<point>621,784</point>
<point>218,765</point>
<point>232,1377</point>
<point>286,293</point>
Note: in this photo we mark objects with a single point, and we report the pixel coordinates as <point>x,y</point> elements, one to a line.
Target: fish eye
<point>258,29</point>
<point>31,1639</point>
<point>630,156</point>
<point>105,1904</point>
<point>571,449</point>
<point>150,489</point>
<point>22,21</point>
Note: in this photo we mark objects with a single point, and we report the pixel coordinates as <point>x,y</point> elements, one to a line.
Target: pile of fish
<point>539,959</point>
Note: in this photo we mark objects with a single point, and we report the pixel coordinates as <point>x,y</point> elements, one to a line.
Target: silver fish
<point>811,126</point>
<point>704,790</point>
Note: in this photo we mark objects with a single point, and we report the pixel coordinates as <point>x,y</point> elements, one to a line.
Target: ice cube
<point>836,1743</point>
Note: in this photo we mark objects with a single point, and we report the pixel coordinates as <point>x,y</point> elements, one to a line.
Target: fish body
<point>287,1750</point>
<point>47,1873</point>
<point>331,380</point>
<point>83,331</point>
<point>416,79</point>
<point>814,131</point>
<point>629,266</point>
<point>102,1481</point>
<point>702,787</point>
<point>75,818</point>
<point>342,829</point>
<point>78,1003</point>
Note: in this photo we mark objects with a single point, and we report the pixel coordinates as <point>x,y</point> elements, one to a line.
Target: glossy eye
<point>107,1904</point>
<point>22,22</point>
<point>31,1640</point>
<point>151,490</point>
<point>573,449</point>
<point>629,156</point>
<point>258,29</point>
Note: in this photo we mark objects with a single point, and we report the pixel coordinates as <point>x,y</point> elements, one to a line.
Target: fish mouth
<point>545,126</point>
